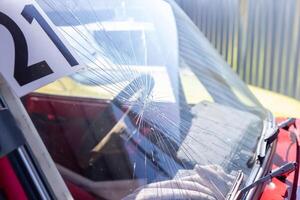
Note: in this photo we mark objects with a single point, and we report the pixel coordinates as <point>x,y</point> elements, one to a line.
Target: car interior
<point>71,128</point>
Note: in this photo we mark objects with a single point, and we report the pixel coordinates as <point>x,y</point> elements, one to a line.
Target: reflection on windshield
<point>156,114</point>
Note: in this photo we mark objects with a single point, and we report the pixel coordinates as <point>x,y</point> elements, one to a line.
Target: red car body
<point>287,150</point>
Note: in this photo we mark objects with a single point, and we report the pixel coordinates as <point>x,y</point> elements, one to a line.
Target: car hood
<point>280,105</point>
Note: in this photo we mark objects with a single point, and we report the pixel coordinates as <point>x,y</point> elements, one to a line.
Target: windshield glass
<point>155,114</point>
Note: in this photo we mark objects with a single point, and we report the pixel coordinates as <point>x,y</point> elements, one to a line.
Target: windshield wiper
<point>271,136</point>
<point>283,124</point>
<point>235,187</point>
<point>280,172</point>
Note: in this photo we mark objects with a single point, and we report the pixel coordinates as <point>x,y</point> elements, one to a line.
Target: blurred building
<point>260,39</point>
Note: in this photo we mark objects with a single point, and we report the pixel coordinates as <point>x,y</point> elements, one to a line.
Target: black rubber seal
<point>11,136</point>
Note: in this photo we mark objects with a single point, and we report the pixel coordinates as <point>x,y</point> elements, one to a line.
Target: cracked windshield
<point>155,114</point>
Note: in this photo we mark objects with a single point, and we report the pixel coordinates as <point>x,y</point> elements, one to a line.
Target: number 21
<point>23,73</point>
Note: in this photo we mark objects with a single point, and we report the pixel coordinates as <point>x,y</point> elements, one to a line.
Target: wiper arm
<point>271,136</point>
<point>275,132</point>
<point>286,123</point>
<point>282,171</point>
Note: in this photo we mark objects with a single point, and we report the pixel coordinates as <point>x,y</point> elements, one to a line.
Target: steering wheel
<point>98,134</point>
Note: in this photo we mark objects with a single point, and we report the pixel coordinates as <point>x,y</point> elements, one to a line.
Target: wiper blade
<point>235,187</point>
<point>272,135</point>
<point>280,172</point>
